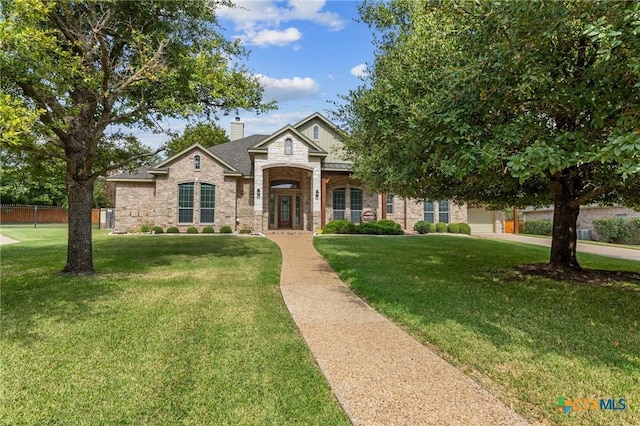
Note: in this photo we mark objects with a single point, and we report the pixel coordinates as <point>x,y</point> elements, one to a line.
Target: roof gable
<point>313,147</point>
<point>164,164</point>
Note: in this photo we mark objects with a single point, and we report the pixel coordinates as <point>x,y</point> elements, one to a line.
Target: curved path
<point>379,374</point>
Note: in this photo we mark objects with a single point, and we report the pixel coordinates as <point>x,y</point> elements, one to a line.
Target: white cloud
<point>286,89</point>
<point>257,21</point>
<point>275,37</point>
<point>359,70</point>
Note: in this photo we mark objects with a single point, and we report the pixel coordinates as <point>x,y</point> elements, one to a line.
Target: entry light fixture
<point>317,194</point>
<point>258,192</point>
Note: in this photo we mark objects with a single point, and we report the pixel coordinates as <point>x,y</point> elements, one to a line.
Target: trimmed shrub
<point>441,227</point>
<point>453,228</point>
<point>380,227</point>
<point>422,227</point>
<point>173,230</point>
<point>634,231</point>
<point>340,226</point>
<point>157,230</point>
<point>192,230</point>
<point>145,228</point>
<point>464,228</point>
<point>612,230</point>
<point>245,231</point>
<point>226,230</point>
<point>537,227</point>
<point>208,230</point>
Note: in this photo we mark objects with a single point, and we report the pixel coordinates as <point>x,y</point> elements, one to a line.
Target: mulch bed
<point>584,276</point>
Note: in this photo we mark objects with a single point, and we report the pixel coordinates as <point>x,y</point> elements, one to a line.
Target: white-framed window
<point>196,162</point>
<point>390,199</point>
<point>429,212</point>
<point>207,202</point>
<point>443,211</point>
<point>185,202</point>
<point>288,146</point>
<point>339,203</point>
<point>316,132</point>
<point>355,204</point>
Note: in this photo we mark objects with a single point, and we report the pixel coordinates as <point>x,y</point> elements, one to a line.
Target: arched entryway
<point>289,198</point>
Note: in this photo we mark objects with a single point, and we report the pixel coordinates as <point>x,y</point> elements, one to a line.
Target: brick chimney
<point>237,129</point>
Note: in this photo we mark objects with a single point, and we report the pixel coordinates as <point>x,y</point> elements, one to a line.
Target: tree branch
<point>103,170</point>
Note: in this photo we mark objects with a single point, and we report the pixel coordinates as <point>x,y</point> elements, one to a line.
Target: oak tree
<point>502,103</point>
<point>78,76</point>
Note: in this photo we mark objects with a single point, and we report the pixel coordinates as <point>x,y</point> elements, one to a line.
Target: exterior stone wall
<point>408,211</point>
<point>136,202</point>
<point>586,217</point>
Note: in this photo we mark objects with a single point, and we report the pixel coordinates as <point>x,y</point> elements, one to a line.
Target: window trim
<point>181,200</point>
<point>343,211</point>
<point>204,185</point>
<point>390,199</point>
<point>354,211</point>
<point>196,162</point>
<point>316,132</point>
<point>442,211</point>
<point>431,211</point>
<point>288,146</point>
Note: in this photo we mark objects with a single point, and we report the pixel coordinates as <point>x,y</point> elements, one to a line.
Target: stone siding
<point>135,205</point>
<point>587,215</point>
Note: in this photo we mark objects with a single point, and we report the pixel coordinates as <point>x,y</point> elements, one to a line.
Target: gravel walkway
<point>379,374</point>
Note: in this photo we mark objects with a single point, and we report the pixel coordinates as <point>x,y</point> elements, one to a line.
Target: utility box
<point>584,234</point>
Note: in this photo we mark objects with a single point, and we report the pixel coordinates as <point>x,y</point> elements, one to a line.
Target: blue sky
<point>306,53</point>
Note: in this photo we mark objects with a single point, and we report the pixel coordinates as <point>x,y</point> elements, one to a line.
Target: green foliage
<point>464,228</point>
<point>633,226</point>
<point>441,227</point>
<point>339,226</point>
<point>208,230</point>
<point>537,227</point>
<point>245,231</point>
<point>157,230</point>
<point>145,228</point>
<point>226,230</point>
<point>84,68</point>
<point>422,227</point>
<point>173,230</point>
<point>503,104</point>
<point>612,230</point>
<point>205,134</point>
<point>192,230</point>
<point>380,227</point>
<point>453,228</point>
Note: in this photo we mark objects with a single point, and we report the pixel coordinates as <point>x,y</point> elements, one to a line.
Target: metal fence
<point>22,214</point>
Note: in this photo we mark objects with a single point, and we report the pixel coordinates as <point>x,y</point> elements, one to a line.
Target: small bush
<point>226,230</point>
<point>245,231</point>
<point>157,230</point>
<point>634,231</point>
<point>145,228</point>
<point>537,227</point>
<point>612,230</point>
<point>173,230</point>
<point>380,227</point>
<point>422,227</point>
<point>464,228</point>
<point>441,227</point>
<point>340,226</point>
<point>208,230</point>
<point>453,228</point>
<point>192,230</point>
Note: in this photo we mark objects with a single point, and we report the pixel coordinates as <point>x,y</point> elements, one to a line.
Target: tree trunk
<point>564,236</point>
<point>79,244</point>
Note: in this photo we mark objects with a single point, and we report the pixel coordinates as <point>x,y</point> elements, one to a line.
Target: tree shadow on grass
<point>35,292</point>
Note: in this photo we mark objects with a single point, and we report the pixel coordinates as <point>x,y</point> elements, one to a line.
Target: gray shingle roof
<point>236,152</point>
<point>140,173</point>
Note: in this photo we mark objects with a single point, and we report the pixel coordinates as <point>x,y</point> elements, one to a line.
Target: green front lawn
<point>529,340</point>
<point>171,330</point>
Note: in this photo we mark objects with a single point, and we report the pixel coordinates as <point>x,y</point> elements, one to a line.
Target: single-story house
<point>588,213</point>
<point>295,178</point>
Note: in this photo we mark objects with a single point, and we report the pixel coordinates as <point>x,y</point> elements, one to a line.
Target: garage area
<point>480,220</point>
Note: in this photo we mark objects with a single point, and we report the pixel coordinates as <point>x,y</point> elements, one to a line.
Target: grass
<point>530,340</point>
<point>171,330</point>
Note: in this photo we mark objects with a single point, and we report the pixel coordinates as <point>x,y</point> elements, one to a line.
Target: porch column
<point>316,201</point>
<point>258,197</point>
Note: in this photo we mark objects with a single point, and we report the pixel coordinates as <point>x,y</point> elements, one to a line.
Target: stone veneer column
<point>317,203</point>
<point>257,206</point>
